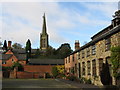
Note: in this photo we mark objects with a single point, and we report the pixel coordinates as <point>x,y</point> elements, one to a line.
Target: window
<point>107,44</point>
<point>4,62</point>
<point>94,67</point>
<point>43,42</point>
<point>75,68</point>
<point>88,52</point>
<point>88,67</point>
<point>109,62</point>
<point>83,53</point>
<point>83,68</point>
<point>73,57</point>
<point>100,65</point>
<point>93,50</point>
<point>78,55</point>
<point>79,70</point>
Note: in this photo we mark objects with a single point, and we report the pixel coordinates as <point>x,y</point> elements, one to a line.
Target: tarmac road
<point>34,83</point>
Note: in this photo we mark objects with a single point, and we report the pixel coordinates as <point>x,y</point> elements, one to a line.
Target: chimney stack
<point>9,44</point>
<point>77,44</point>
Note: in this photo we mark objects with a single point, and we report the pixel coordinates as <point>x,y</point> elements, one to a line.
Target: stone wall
<point>91,65</point>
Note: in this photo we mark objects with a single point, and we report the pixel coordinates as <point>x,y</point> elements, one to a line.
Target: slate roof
<point>102,31</point>
<point>22,51</point>
<point>5,56</point>
<point>103,36</point>
<point>21,56</point>
<point>46,61</point>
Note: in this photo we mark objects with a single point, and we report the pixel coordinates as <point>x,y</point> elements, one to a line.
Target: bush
<point>88,81</point>
<point>71,78</point>
<point>55,72</point>
<point>48,75</point>
<point>84,80</point>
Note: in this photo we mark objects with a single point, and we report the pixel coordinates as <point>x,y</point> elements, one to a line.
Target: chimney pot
<point>9,44</point>
<point>77,44</point>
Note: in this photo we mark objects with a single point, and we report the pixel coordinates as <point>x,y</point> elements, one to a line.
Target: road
<point>34,83</point>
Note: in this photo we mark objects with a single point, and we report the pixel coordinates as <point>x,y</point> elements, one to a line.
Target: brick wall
<point>70,65</point>
<point>32,71</point>
<point>38,68</point>
<point>24,75</point>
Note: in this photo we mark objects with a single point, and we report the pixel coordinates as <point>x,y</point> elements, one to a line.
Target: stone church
<point>44,36</point>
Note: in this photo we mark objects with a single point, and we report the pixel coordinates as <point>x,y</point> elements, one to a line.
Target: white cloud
<point>106,8</point>
<point>16,29</point>
<point>24,20</point>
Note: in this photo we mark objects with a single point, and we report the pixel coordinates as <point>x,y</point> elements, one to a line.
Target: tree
<point>17,46</point>
<point>5,45</point>
<point>55,72</point>
<point>28,49</point>
<point>17,64</point>
<point>115,60</point>
<point>64,50</point>
<point>50,51</point>
<point>105,74</point>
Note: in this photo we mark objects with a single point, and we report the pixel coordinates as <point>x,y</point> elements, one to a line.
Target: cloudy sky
<point>66,21</point>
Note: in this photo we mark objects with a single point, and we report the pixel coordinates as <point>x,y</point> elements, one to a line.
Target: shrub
<point>71,78</point>
<point>55,72</point>
<point>88,81</point>
<point>48,75</point>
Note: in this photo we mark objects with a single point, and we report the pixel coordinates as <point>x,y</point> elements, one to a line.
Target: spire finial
<point>44,15</point>
<point>44,25</point>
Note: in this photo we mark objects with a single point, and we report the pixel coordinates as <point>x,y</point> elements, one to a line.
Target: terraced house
<point>90,57</point>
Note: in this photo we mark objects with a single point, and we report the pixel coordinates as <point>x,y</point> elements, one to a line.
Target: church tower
<point>44,36</point>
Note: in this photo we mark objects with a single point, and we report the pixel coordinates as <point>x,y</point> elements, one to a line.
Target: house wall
<point>22,62</point>
<point>90,65</point>
<point>100,57</point>
<point>71,63</point>
<point>10,61</point>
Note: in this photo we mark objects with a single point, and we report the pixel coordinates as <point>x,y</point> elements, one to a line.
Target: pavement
<point>77,84</point>
<point>47,84</point>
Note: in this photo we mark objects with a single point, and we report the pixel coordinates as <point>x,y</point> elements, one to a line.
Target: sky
<point>66,21</point>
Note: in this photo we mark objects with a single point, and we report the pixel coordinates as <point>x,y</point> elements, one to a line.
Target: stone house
<point>92,55</point>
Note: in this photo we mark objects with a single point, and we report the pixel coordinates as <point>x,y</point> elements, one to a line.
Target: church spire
<point>44,26</point>
<point>44,36</point>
